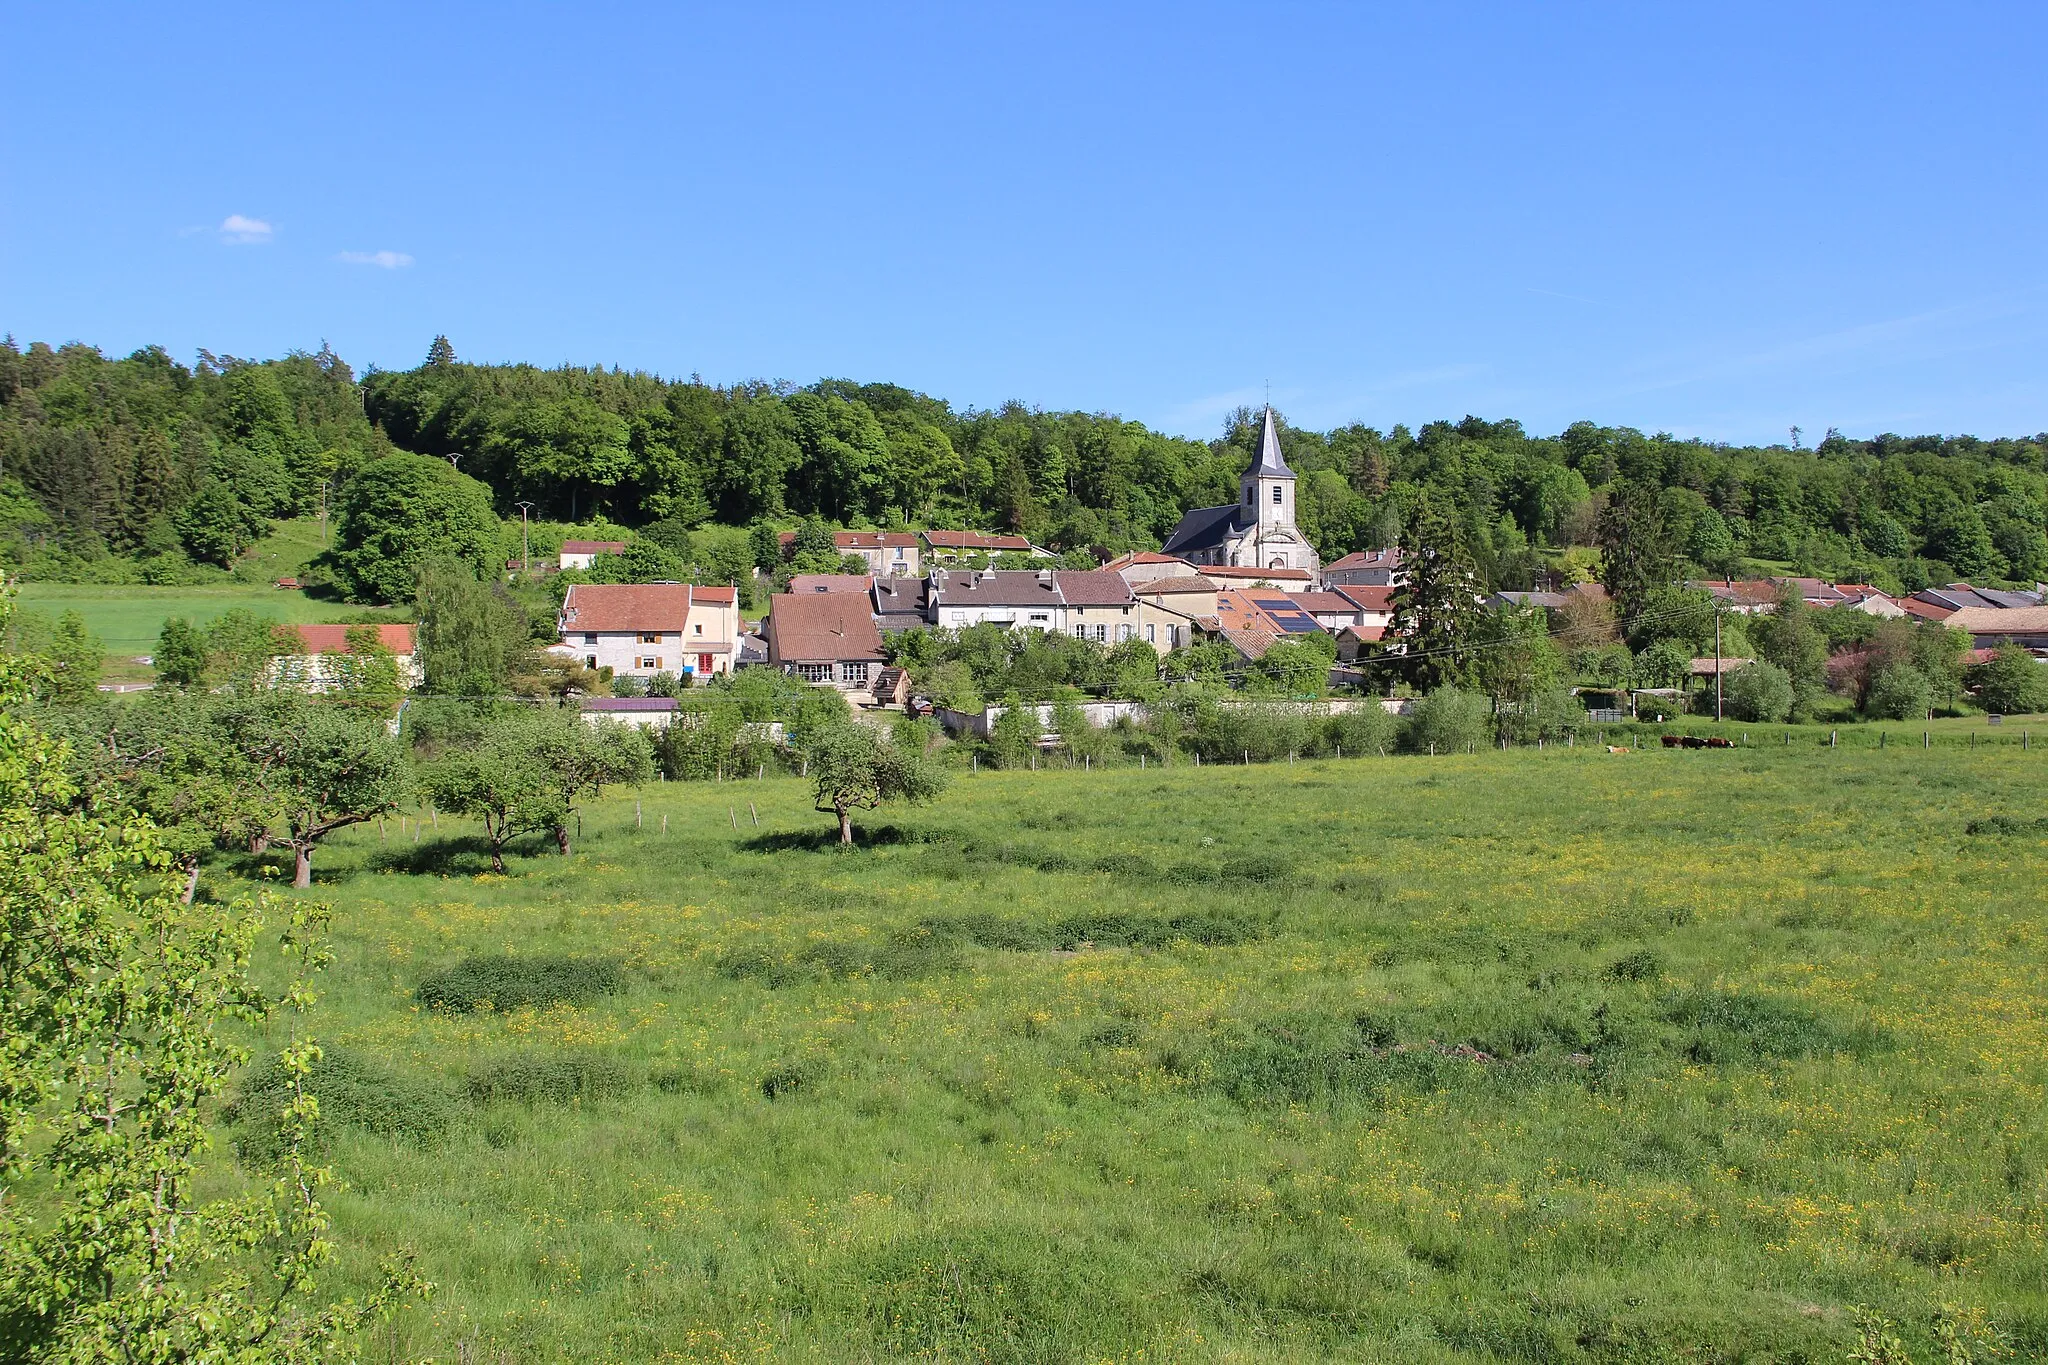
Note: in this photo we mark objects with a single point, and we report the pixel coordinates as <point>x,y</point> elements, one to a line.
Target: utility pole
<point>1717,661</point>
<point>525,554</point>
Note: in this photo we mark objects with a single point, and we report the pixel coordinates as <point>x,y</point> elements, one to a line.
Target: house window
<point>590,661</point>
<point>1038,617</point>
<point>1276,495</point>
<point>650,661</point>
<point>700,627</point>
<point>814,673</point>
<point>851,672</point>
<point>1101,634</point>
<point>1151,634</point>
<point>650,637</point>
<point>589,637</point>
<point>1123,632</point>
<point>1173,636</point>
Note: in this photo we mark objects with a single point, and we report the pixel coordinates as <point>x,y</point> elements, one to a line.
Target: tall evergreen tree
<point>1439,600</point>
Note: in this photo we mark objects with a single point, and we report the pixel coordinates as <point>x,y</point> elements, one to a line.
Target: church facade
<point>1255,532</point>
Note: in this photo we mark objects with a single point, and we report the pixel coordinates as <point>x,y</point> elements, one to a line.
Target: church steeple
<point>1271,464</point>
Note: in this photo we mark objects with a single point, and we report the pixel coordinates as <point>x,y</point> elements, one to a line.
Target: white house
<point>321,658</point>
<point>577,554</point>
<point>640,629</point>
<point>1258,530</point>
<point>1018,599</point>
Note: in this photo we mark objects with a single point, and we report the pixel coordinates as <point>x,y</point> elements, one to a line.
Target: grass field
<point>128,618</point>
<point>1528,1057</point>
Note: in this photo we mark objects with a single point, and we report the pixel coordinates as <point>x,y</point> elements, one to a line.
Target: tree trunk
<point>259,841</point>
<point>562,839</point>
<point>497,856</point>
<point>191,880</point>
<point>302,866</point>
<point>845,825</point>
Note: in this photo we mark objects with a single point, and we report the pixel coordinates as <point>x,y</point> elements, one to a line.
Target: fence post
<point>1088,763</point>
<point>756,814</point>
<point>636,812</point>
<point>734,816</point>
<point>664,824</point>
<point>1926,740</point>
<point>1432,748</point>
<point>1833,735</point>
<point>1880,739</point>
<point>1340,751</point>
<point>1247,758</point>
<point>974,762</point>
<point>1141,763</point>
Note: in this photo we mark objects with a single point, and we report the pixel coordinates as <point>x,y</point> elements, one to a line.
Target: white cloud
<point>236,230</point>
<point>383,260</point>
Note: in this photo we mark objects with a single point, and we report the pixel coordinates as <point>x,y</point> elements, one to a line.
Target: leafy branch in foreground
<point>117,1002</point>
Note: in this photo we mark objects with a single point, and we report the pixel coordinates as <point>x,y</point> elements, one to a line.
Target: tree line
<point>142,465</point>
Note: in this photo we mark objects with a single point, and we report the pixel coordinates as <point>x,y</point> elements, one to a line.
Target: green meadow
<point>1553,1057</point>
<point>128,617</point>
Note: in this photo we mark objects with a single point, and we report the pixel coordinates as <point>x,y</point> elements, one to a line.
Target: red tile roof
<point>1926,611</point>
<point>1257,575</point>
<point>821,627</point>
<point>1124,561</point>
<point>593,547</point>
<point>859,540</point>
<point>636,606</point>
<point>1152,587</point>
<point>1327,602</point>
<point>334,639</point>
<point>1368,559</point>
<point>974,540</point>
<point>1367,597</point>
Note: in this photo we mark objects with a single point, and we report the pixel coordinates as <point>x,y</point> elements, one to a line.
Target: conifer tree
<point>1439,600</point>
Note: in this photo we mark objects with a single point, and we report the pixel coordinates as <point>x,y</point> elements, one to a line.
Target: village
<point>1239,579</point>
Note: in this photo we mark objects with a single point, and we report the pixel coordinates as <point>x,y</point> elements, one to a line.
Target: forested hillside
<point>141,467</point>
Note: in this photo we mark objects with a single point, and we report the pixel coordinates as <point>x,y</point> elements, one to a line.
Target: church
<point>1255,532</point>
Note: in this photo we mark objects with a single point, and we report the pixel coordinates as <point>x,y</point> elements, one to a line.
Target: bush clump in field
<point>550,1080</point>
<point>503,982</point>
<point>1118,929</point>
<point>352,1091</point>
<point>1722,1027</point>
<point>1448,721</point>
<point>2007,824</point>
<point>901,956</point>
<point>1641,965</point>
<point>985,930</point>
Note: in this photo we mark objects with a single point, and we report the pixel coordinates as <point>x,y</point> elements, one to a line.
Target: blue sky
<point>1718,220</point>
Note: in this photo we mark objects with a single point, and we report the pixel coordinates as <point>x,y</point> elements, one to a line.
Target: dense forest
<point>143,469</point>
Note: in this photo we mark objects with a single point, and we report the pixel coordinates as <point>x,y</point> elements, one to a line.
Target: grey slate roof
<point>1206,528</point>
<point>993,588</point>
<point>1270,464</point>
<point>899,603</point>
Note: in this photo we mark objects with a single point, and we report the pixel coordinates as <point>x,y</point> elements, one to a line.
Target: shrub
<point>1758,691</point>
<point>1448,721</point>
<point>2007,824</point>
<point>505,983</point>
<point>553,1080</point>
<point>352,1091</point>
<point>1723,1027</point>
<point>2011,681</point>
<point>1641,965</point>
<point>1899,692</point>
<point>1370,729</point>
